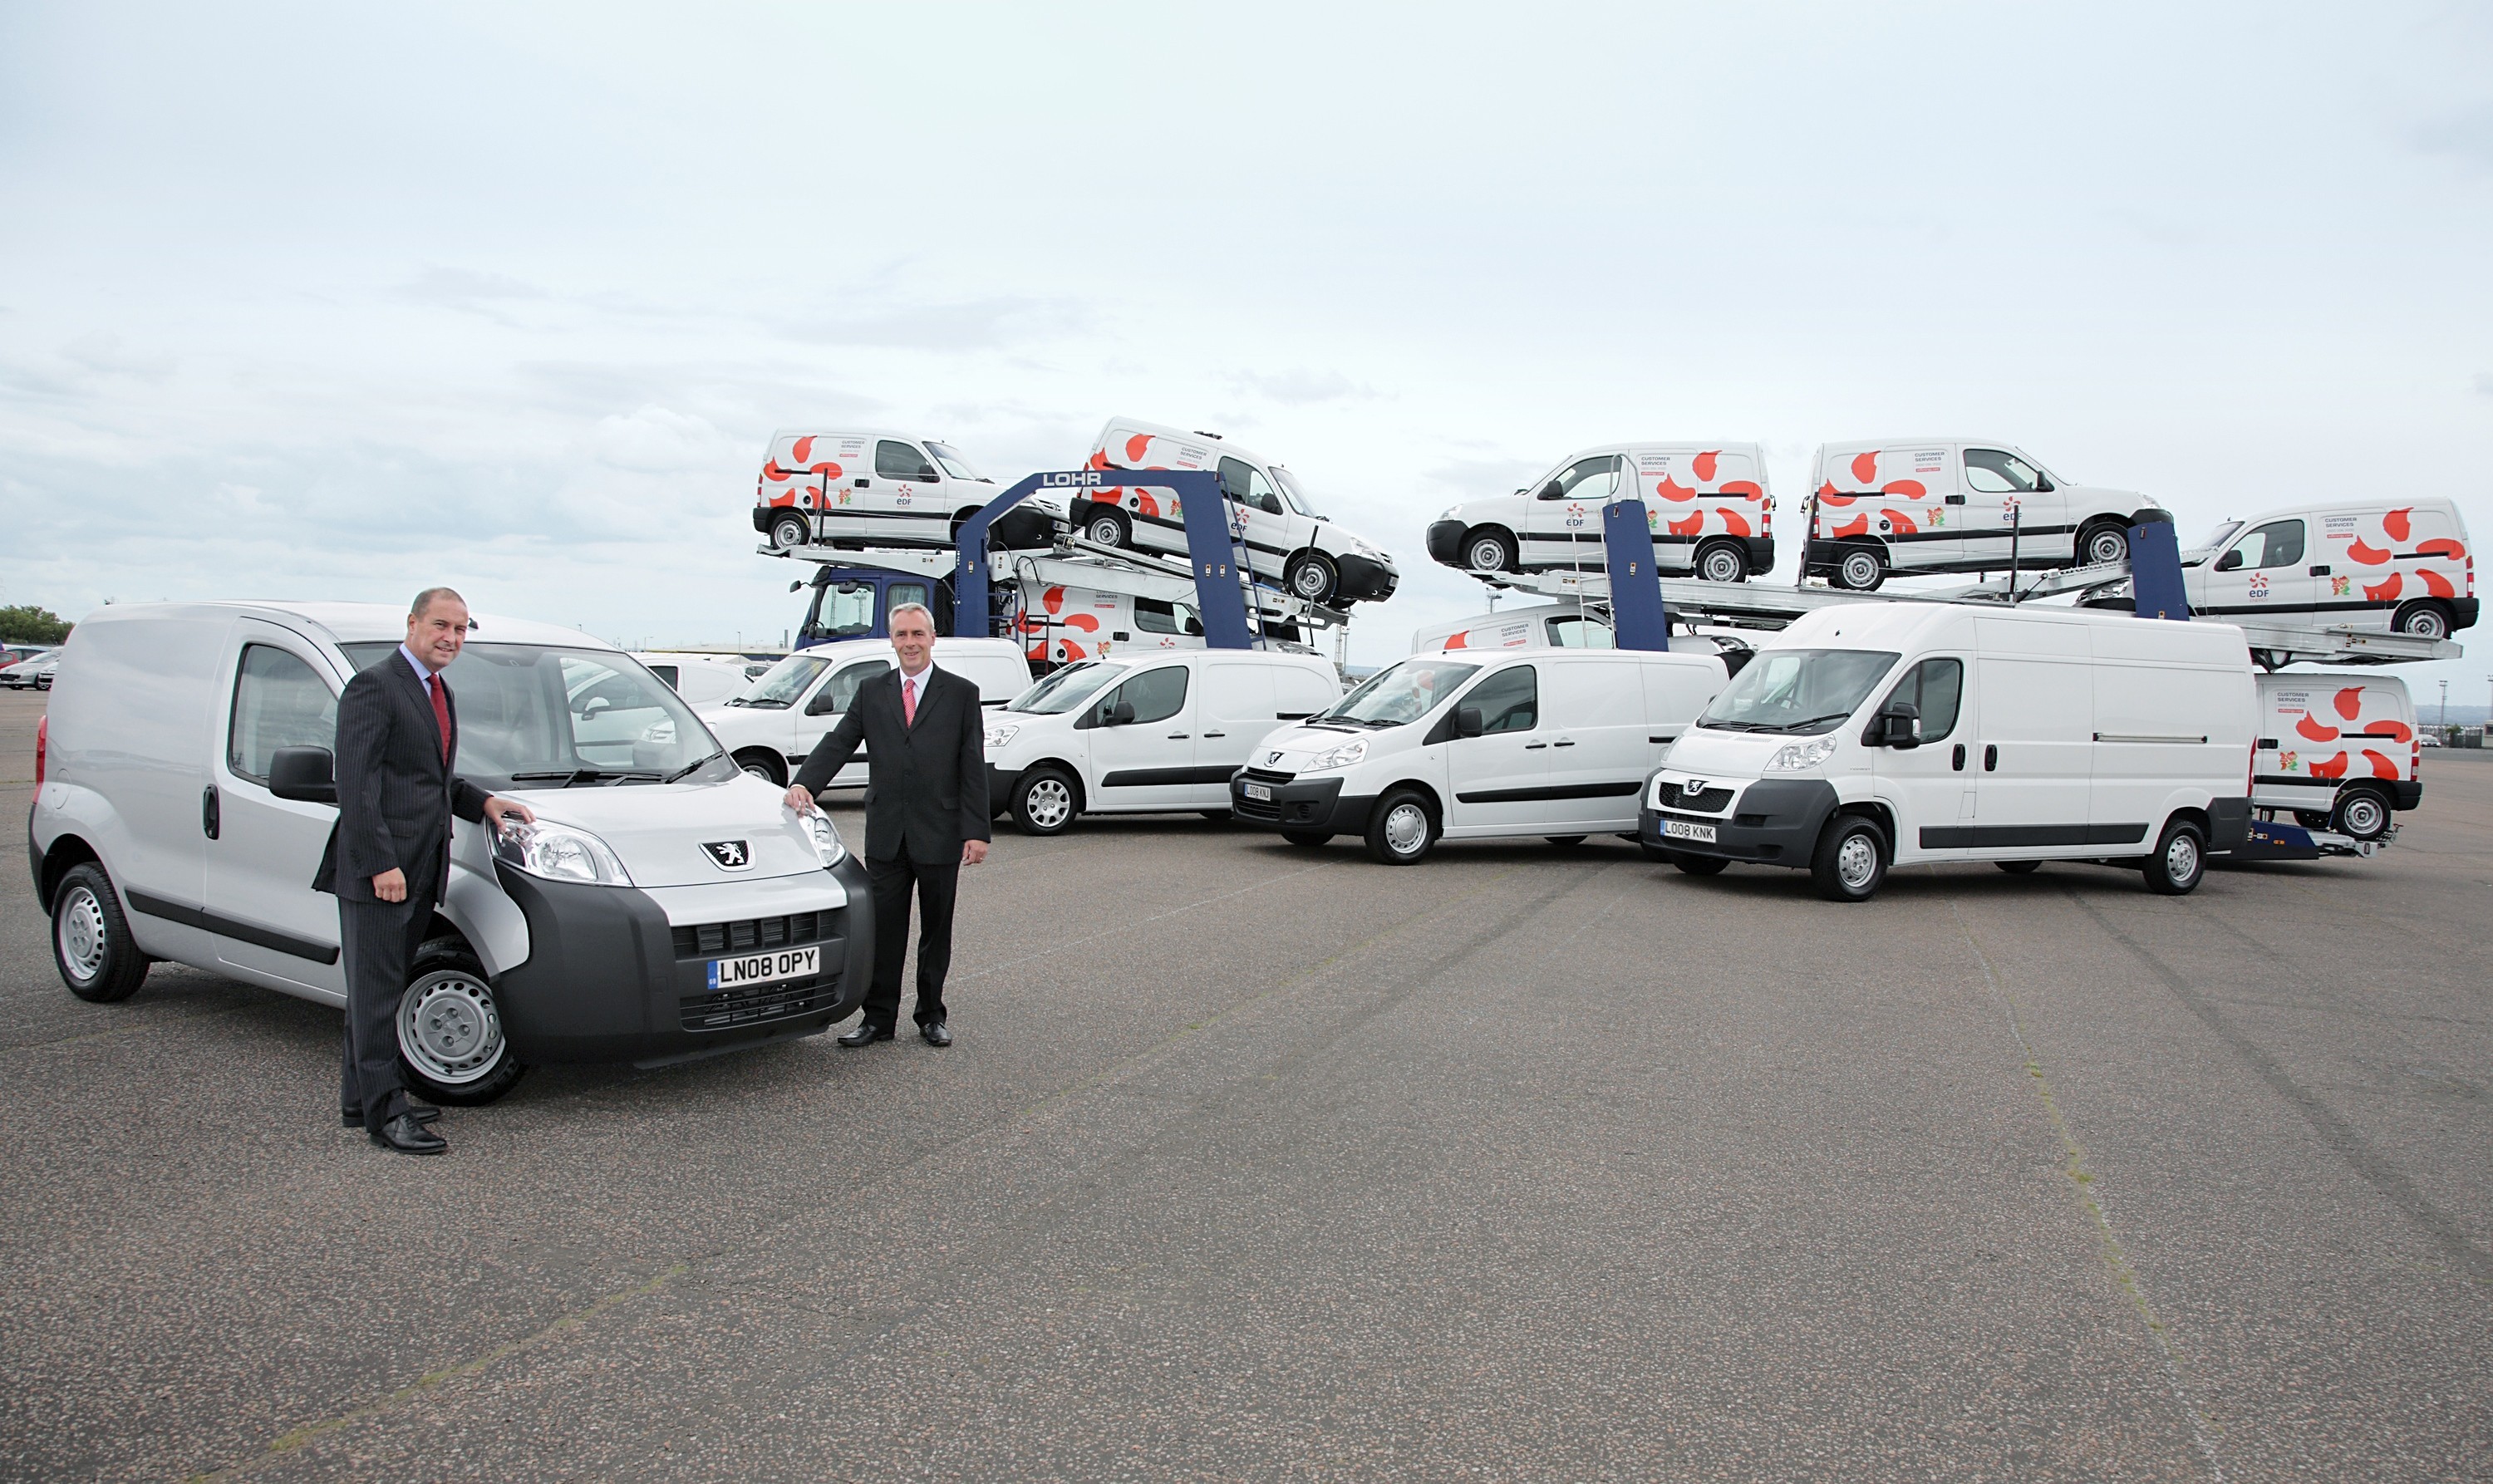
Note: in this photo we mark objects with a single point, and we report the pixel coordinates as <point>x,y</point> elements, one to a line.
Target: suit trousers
<point>380,940</point>
<point>937,886</point>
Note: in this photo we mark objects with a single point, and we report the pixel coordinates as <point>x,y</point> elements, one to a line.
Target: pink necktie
<point>909,702</point>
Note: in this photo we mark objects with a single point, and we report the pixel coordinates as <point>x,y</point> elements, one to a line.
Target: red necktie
<point>441,712</point>
<point>909,702</point>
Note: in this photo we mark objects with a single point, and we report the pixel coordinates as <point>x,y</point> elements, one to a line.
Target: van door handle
<point>1534,746</point>
<point>862,483</point>
<point>1959,763</point>
<point>1216,733</point>
<point>1990,758</point>
<point>1562,742</point>
<point>2320,571</point>
<point>1660,738</point>
<point>1179,737</point>
<point>1956,499</point>
<point>211,816</point>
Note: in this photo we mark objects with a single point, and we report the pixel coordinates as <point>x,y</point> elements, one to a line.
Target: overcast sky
<point>336,301</point>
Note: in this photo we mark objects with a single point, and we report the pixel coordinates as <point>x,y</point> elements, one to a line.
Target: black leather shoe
<point>867,1035</point>
<point>934,1033</point>
<point>408,1136</point>
<point>353,1117</point>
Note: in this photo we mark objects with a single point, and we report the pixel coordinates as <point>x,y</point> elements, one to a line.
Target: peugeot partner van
<point>1287,542</point>
<point>1869,736</point>
<point>1708,505</point>
<point>2370,565</point>
<point>883,489</point>
<point>1463,746</point>
<point>663,907</point>
<point>1153,733</point>
<point>771,729</point>
<point>1909,506</point>
<point>2339,751</point>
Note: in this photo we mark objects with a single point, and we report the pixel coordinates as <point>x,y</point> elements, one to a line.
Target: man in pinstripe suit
<point>388,858</point>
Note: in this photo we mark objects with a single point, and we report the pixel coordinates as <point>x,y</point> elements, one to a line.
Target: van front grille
<point>750,935</point>
<point>1705,801</point>
<point>756,1004</point>
<point>1266,776</point>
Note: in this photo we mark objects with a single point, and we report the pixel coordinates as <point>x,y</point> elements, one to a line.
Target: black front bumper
<point>1316,805</point>
<point>1774,822</point>
<point>1446,542</point>
<point>608,979</point>
<point>1360,580</point>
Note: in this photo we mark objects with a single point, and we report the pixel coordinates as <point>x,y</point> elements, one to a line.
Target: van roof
<point>1905,624</point>
<point>350,623</point>
<point>1164,431</point>
<point>836,430</point>
<point>1908,442</point>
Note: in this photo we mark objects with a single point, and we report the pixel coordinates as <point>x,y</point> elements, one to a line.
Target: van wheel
<point>2424,619</point>
<point>764,764</point>
<point>1698,865</point>
<point>1310,578</point>
<point>1566,841</point>
<point>1307,839</point>
<point>2363,814</point>
<point>1721,563</point>
<point>1861,568</point>
<point>790,531</point>
<point>2019,868</point>
<point>2180,858</point>
<point>1851,860</point>
<point>1401,830</point>
<point>1106,526</point>
<point>1045,801</point>
<point>91,942</point>
<point>2102,542</point>
<point>1489,550</point>
<point>450,1042</point>
<point>1656,853</point>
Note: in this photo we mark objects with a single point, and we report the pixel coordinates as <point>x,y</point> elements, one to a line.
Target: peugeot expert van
<point>663,907</point>
<point>1869,736</point>
<point>771,729</point>
<point>883,489</point>
<point>2371,565</point>
<point>1921,505</point>
<point>2339,751</point>
<point>1287,542</point>
<point>1708,505</point>
<point>1153,733</point>
<point>1463,746</point>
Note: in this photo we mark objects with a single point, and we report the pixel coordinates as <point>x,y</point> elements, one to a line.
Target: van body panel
<point>2353,564</point>
<point>995,665</point>
<point>1696,495</point>
<point>1941,505</point>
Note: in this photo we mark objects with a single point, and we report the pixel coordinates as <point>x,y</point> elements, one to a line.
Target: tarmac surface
<point>1254,1162</point>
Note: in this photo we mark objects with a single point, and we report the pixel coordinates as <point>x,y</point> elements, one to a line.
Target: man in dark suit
<point>388,859</point>
<point>925,813</point>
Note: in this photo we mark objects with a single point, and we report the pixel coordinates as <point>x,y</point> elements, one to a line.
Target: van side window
<point>1509,701</point>
<point>841,694</point>
<point>1153,616</point>
<point>1937,689</point>
<point>1579,633</point>
<point>2278,544</point>
<point>1587,479</point>
<point>1992,471</point>
<point>905,593</point>
<point>896,459</point>
<point>278,701</point>
<point>1156,694</point>
<point>1245,485</point>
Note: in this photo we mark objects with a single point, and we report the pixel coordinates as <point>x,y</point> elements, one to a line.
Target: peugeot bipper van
<point>1486,746</point>
<point>1876,735</point>
<point>2339,751</point>
<point>664,906</point>
<point>771,729</point>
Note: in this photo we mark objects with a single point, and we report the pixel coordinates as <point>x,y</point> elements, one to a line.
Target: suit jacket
<point>396,792</point>
<point>926,784</point>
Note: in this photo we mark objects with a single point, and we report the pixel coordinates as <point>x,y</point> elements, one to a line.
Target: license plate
<point>1682,829</point>
<point>1262,791</point>
<point>763,968</point>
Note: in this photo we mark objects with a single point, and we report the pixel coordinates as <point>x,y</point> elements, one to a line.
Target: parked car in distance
<point>877,487</point>
<point>35,673</point>
<point>1909,506</point>
<point>774,725</point>
<point>1708,506</point>
<point>1150,733</point>
<point>18,654</point>
<point>2360,564</point>
<point>2339,751</point>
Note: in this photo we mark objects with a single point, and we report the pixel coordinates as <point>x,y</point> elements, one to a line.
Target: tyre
<point>1106,526</point>
<point>1402,829</point>
<point>2311,818</point>
<point>1045,801</point>
<point>91,943</point>
<point>1851,859</point>
<point>1861,568</point>
<point>1698,865</point>
<point>1721,563</point>
<point>1489,550</point>
<point>2180,858</point>
<point>450,1043</point>
<point>2424,619</point>
<point>1307,839</point>
<point>790,529</point>
<point>2102,542</point>
<point>2363,814</point>
<point>764,764</point>
<point>1310,578</point>
<point>1566,841</point>
<point>2019,868</point>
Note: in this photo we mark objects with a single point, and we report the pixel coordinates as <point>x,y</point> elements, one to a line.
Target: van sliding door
<point>2034,694</point>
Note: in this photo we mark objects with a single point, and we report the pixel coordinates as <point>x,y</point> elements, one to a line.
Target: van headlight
<point>1341,757</point>
<point>827,839</point>
<point>1793,756</point>
<point>559,853</point>
<point>1001,732</point>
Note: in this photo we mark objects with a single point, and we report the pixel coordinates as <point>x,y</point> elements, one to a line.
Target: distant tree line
<point>27,624</point>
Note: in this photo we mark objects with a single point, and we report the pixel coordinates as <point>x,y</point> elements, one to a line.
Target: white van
<point>1708,506</point>
<point>664,906</point>
<point>2337,751</point>
<point>1158,734</point>
<point>1566,624</point>
<point>1876,735</point>
<point>1916,505</point>
<point>701,677</point>
<point>1457,746</point>
<point>883,489</point>
<point>2403,568</point>
<point>1287,542</point>
<point>771,729</point>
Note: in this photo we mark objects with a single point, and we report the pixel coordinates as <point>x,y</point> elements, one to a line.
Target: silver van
<point>664,906</point>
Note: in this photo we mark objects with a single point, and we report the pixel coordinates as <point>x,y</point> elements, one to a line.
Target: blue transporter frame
<point>1219,593</point>
<point>1638,619</point>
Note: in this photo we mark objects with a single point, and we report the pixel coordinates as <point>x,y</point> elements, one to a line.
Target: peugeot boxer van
<point>1869,736</point>
<point>771,729</point>
<point>1463,746</point>
<point>883,489</point>
<point>2337,751</point>
<point>663,907</point>
<point>1708,505</point>
<point>1153,733</point>
<point>1921,505</point>
<point>2371,565</point>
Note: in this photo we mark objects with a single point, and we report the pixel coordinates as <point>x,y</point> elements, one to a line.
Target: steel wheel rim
<point>2182,857</point>
<point>1048,803</point>
<point>448,1028</point>
<point>1721,566</point>
<point>792,533</point>
<point>1860,570</point>
<point>1104,532</point>
<point>760,772</point>
<point>1310,582</point>
<point>80,934</point>
<point>1488,555</point>
<point>2426,623</point>
<point>1406,828</point>
<point>1856,860</point>
<point>2363,816</point>
<point>2108,547</point>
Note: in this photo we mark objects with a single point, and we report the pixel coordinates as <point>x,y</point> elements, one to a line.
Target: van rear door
<point>279,690</point>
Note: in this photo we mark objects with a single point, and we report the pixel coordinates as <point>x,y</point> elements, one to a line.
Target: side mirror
<point>2230,560</point>
<point>795,586</point>
<point>1551,492</point>
<point>1121,714</point>
<point>1898,724</point>
<point>1468,721</point>
<point>927,476</point>
<point>306,775</point>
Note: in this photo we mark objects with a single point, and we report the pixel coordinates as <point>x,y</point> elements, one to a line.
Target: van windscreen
<point>537,715</point>
<point>1399,694</point>
<point>1797,691</point>
<point>1066,689</point>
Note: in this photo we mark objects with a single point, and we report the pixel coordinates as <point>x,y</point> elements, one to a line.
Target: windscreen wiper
<point>686,771</point>
<point>1787,726</point>
<point>574,776</point>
